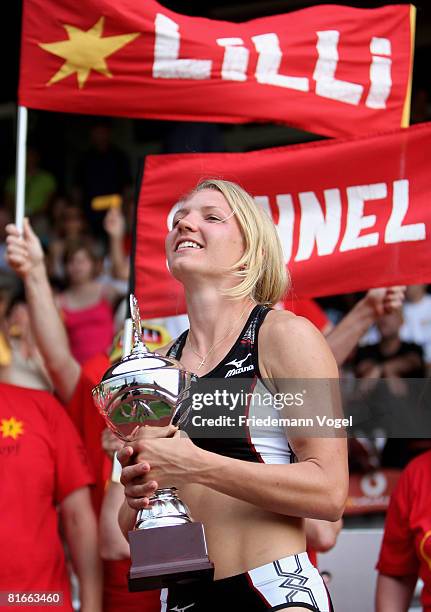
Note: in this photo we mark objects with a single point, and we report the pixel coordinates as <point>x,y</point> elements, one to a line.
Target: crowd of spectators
<point>57,324</point>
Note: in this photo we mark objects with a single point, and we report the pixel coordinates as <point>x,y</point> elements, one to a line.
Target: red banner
<point>332,70</point>
<point>351,214</point>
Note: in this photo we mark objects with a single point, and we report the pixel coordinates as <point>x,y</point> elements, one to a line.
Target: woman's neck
<point>83,285</point>
<point>213,316</point>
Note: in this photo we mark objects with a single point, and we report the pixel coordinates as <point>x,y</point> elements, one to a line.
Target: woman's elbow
<point>333,502</point>
<point>337,501</point>
<point>334,513</point>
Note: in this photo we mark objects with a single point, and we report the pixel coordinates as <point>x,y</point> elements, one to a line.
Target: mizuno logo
<point>239,367</point>
<point>177,609</point>
<point>237,363</point>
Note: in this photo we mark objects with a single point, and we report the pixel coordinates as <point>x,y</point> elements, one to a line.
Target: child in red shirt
<point>406,546</point>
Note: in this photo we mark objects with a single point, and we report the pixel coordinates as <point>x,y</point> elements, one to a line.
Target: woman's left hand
<point>171,460</point>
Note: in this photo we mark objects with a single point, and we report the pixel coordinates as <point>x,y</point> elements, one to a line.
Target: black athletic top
<point>237,373</point>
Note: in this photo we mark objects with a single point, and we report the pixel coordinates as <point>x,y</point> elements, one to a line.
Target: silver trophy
<point>148,389</point>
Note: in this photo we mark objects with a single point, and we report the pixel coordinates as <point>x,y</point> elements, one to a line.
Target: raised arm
<point>115,226</point>
<point>343,338</point>
<point>26,258</point>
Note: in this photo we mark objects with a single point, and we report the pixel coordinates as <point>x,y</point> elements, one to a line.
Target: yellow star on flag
<point>11,428</point>
<point>85,50</point>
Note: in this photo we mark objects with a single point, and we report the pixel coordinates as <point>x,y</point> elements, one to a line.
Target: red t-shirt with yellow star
<point>42,461</point>
<point>406,546</point>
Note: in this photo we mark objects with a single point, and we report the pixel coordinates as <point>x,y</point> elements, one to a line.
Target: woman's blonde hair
<point>261,269</point>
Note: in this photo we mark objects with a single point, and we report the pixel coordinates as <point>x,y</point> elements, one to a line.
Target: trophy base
<point>165,555</point>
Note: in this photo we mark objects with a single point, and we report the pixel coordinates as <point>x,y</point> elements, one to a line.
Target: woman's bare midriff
<point>241,536</point>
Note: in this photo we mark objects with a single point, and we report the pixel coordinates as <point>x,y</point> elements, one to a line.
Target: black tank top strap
<point>243,358</point>
<point>177,348</point>
<point>255,325</point>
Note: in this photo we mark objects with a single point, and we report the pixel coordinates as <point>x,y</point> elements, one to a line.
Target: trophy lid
<point>137,362</point>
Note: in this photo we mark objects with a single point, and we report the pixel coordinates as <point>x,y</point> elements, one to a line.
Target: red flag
<point>332,70</point>
<point>351,214</point>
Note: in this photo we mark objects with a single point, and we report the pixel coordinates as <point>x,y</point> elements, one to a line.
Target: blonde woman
<point>251,498</point>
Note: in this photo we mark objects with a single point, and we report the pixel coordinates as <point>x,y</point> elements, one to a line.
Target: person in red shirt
<point>86,303</point>
<point>406,548</point>
<point>44,467</point>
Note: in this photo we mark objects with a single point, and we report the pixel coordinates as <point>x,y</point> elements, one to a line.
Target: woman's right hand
<point>114,223</point>
<point>133,475</point>
<point>137,492</point>
<point>24,251</point>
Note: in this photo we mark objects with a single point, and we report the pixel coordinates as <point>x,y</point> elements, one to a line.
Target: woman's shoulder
<point>106,293</point>
<point>278,323</point>
<point>291,342</point>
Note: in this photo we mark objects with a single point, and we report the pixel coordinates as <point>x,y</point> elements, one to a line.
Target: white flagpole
<point>127,337</point>
<point>127,349</point>
<point>21,151</point>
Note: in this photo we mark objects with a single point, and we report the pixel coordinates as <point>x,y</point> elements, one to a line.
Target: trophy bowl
<point>143,389</point>
<point>152,390</point>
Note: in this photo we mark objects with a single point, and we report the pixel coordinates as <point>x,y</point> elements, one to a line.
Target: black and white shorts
<point>283,584</point>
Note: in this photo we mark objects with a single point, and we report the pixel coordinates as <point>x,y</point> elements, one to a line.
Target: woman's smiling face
<point>205,237</point>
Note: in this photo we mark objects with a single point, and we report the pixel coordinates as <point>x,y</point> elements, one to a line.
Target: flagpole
<point>127,349</point>
<point>21,150</point>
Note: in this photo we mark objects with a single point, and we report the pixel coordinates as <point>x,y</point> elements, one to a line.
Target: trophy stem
<point>165,510</point>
